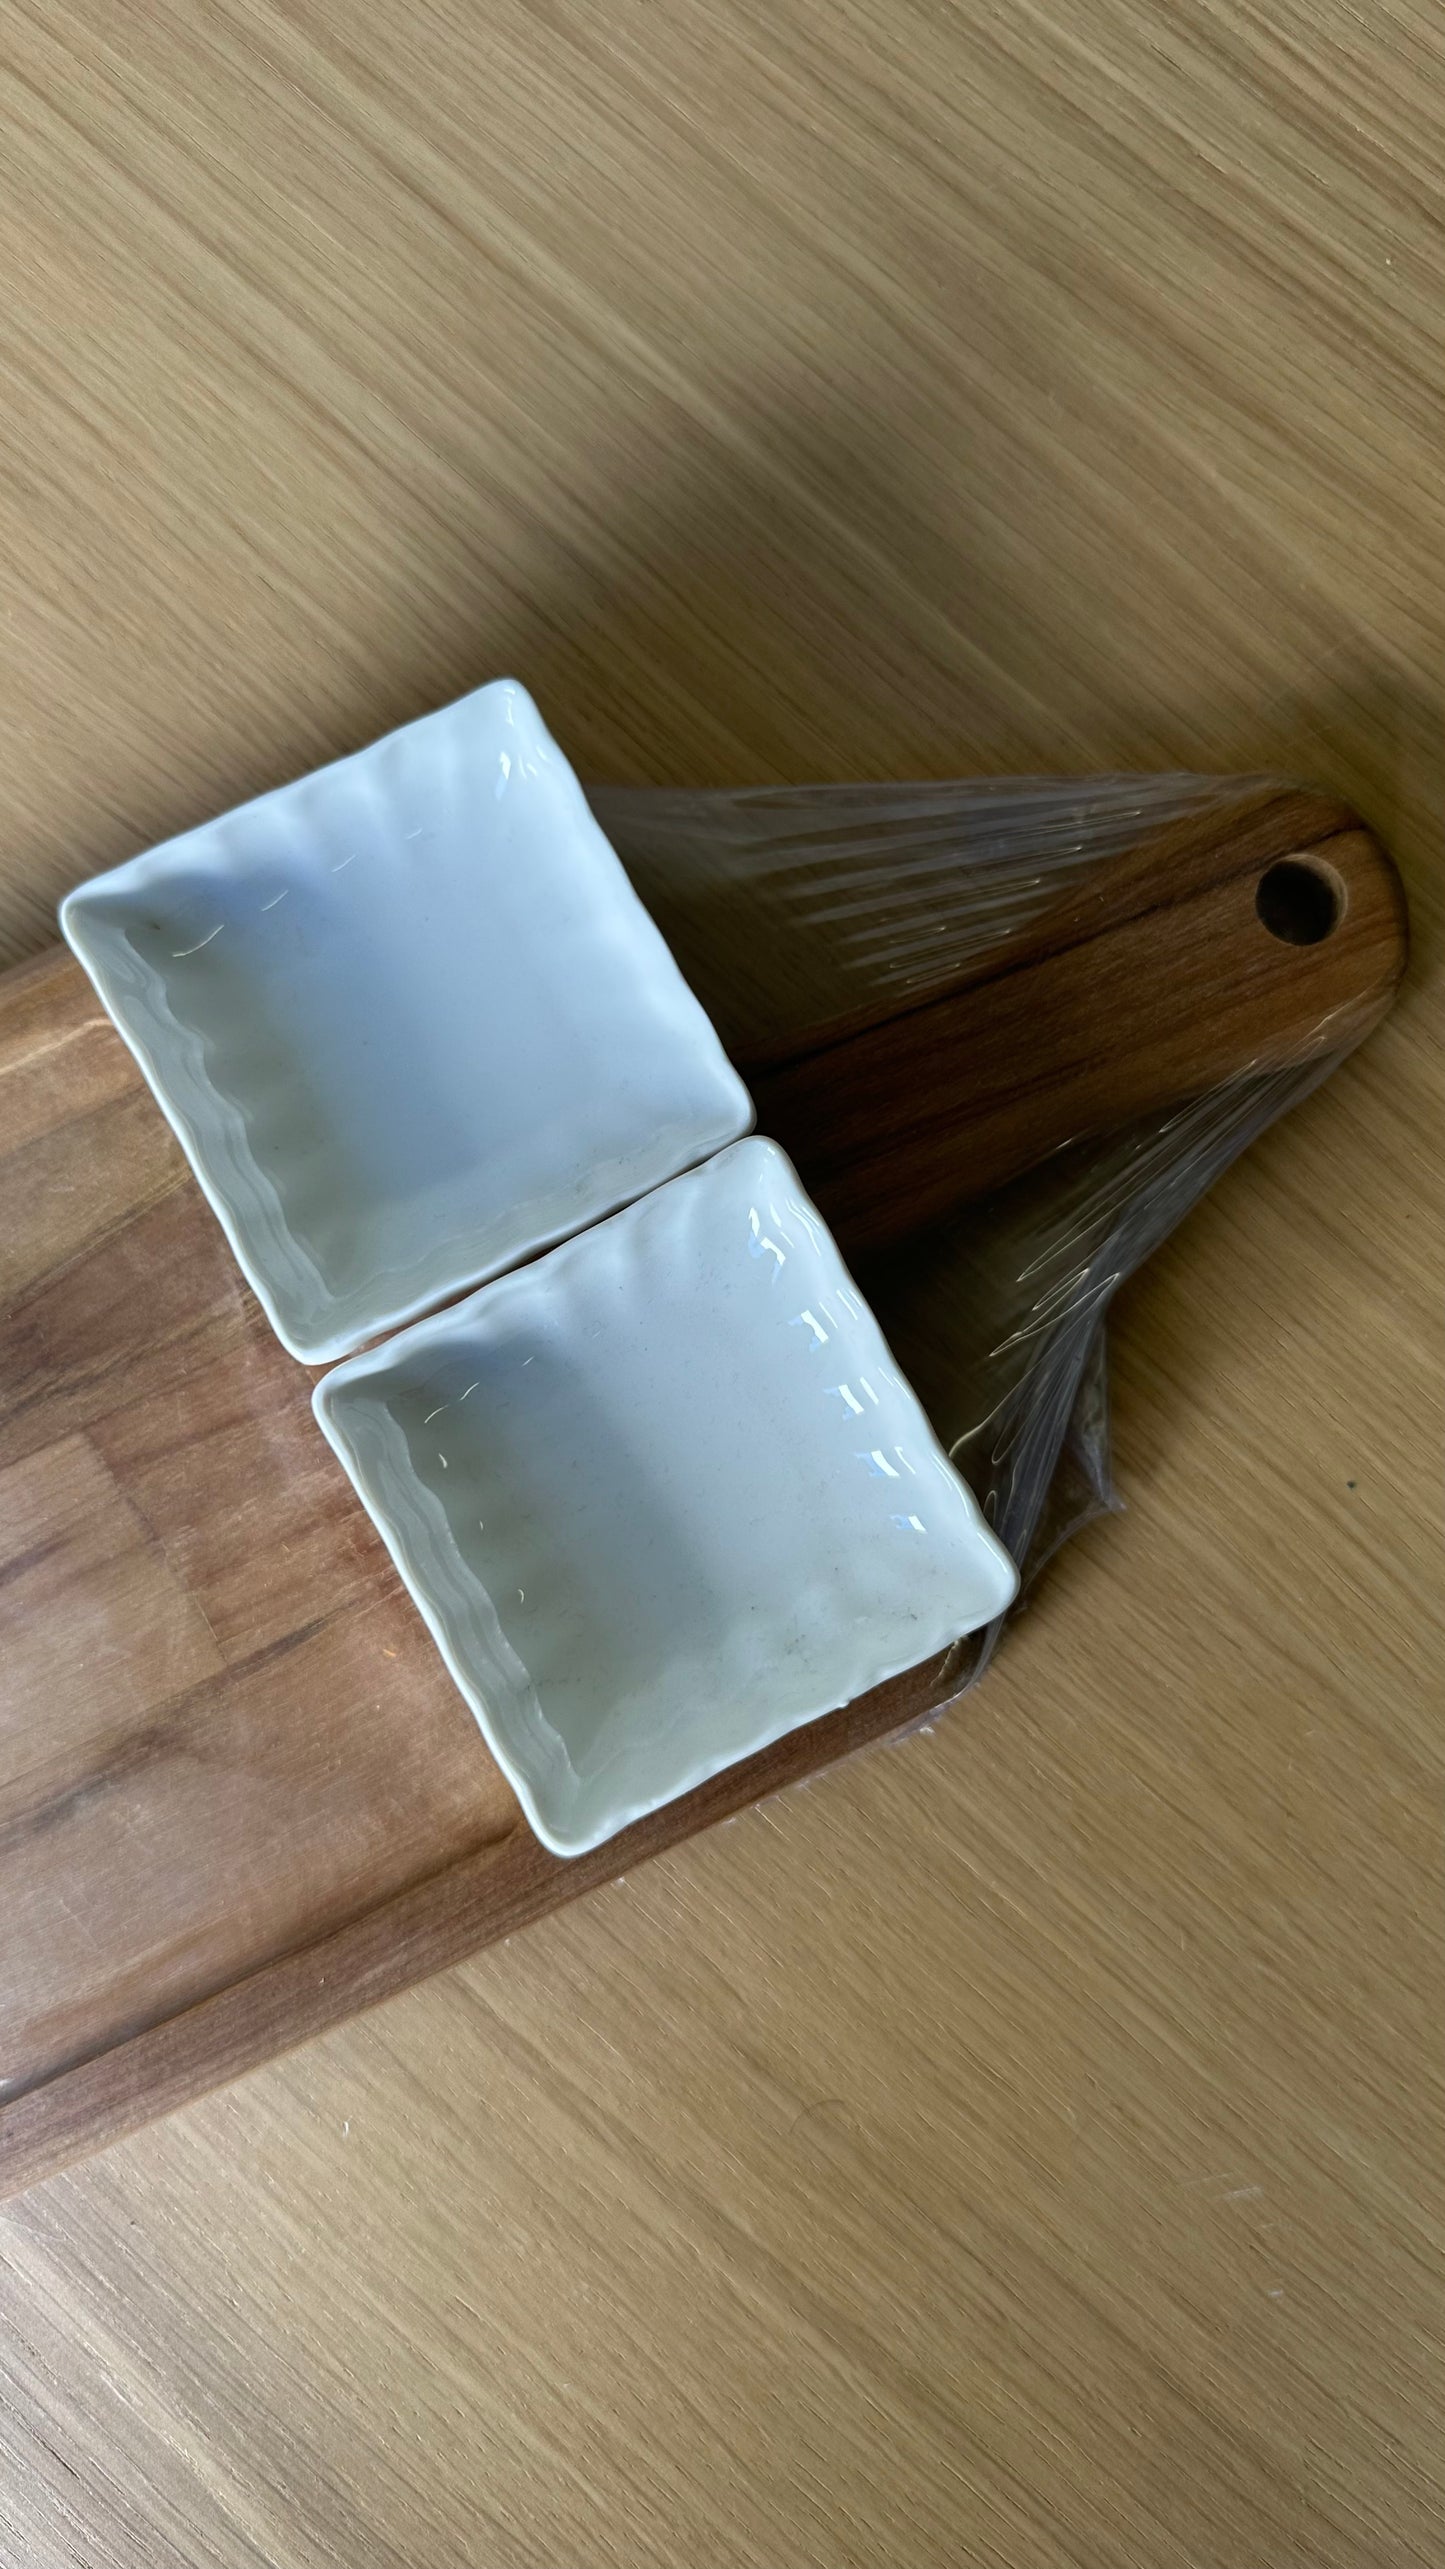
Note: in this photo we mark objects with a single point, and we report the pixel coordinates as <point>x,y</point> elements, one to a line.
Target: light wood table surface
<point>1028,2145</point>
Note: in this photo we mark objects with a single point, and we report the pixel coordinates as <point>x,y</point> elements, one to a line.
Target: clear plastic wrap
<point>793,908</point>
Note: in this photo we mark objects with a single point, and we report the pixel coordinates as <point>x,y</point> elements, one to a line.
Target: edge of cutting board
<point>442,1919</point>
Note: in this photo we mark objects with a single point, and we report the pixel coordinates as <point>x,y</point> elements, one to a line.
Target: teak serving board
<point>239,1795</point>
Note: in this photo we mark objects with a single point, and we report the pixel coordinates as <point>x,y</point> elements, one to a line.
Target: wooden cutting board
<point>239,1796</point>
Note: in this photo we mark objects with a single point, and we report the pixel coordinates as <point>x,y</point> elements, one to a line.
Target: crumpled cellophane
<point>789,908</point>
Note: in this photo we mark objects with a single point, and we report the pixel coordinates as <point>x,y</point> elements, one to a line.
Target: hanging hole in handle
<point>1300,900</point>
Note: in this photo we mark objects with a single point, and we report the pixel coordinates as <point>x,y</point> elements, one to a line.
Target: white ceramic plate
<point>409,1020</point>
<point>663,1496</point>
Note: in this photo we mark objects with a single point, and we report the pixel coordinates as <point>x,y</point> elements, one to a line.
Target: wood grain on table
<point>1023,2147</point>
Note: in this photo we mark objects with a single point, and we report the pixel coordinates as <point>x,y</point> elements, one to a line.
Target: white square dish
<point>408,1019</point>
<point>663,1496</point>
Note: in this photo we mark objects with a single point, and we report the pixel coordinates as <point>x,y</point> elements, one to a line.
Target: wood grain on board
<point>1023,2149</point>
<point>239,1794</point>
<point>1154,980</point>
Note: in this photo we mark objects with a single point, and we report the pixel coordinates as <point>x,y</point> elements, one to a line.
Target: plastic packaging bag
<point>788,907</point>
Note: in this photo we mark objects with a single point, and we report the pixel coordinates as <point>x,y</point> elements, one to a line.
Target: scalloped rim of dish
<point>419,1548</point>
<point>211,1127</point>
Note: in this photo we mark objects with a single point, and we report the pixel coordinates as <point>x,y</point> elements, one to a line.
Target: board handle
<point>1247,940</point>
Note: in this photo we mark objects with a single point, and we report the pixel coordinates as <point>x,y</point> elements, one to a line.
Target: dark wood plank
<point>239,1795</point>
<point>488,1892</point>
<point>1154,981</point>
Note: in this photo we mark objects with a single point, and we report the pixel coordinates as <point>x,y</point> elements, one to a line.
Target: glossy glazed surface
<point>408,1019</point>
<point>663,1496</point>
